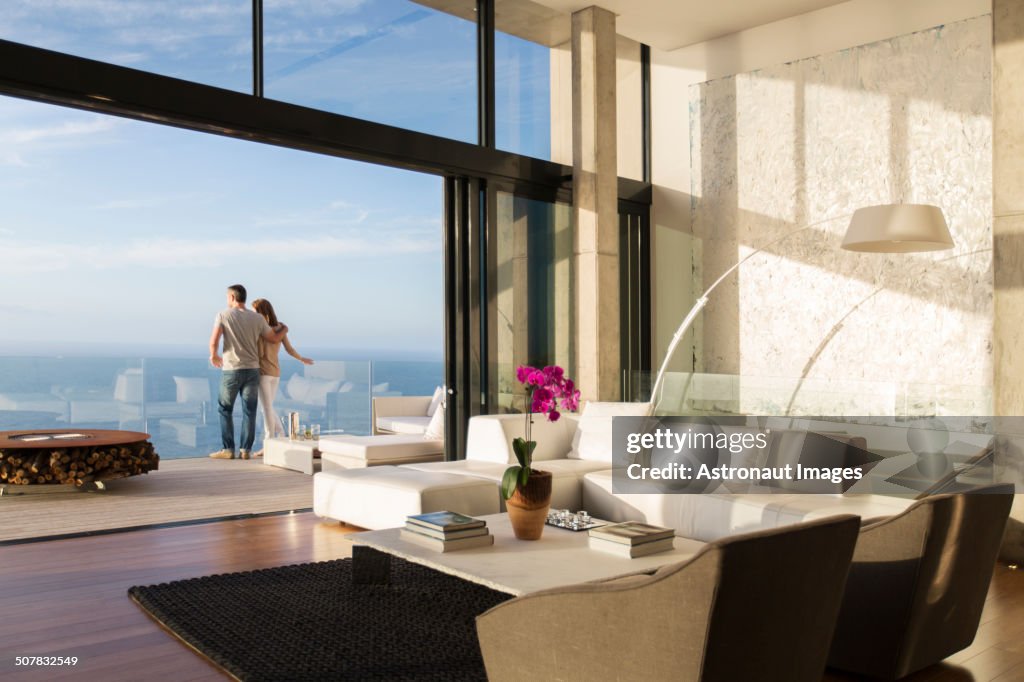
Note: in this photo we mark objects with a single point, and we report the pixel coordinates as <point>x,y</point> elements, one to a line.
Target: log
<point>77,465</point>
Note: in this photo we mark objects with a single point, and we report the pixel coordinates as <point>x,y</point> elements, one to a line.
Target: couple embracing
<point>252,341</point>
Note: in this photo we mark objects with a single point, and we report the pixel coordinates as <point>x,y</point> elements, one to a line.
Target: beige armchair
<point>918,583</point>
<point>400,414</point>
<point>759,606</point>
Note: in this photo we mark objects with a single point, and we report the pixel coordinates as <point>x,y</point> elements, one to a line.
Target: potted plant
<point>527,491</point>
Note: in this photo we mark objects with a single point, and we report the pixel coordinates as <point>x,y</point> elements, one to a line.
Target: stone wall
<point>901,120</point>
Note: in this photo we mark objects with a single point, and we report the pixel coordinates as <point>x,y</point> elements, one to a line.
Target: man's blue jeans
<point>233,382</point>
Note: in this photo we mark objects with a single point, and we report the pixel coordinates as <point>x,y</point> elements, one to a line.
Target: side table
<point>297,455</point>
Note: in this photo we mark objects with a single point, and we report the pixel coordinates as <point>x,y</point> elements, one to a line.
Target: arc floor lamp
<point>887,228</point>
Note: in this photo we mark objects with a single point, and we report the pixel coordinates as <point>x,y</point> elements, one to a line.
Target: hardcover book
<point>445,520</point>
<point>631,551</point>
<point>446,534</point>
<point>447,545</point>
<point>631,533</point>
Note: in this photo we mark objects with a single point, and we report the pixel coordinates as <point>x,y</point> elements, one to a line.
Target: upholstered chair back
<point>918,583</point>
<point>756,606</point>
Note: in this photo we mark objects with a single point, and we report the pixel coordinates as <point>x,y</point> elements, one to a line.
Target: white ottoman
<point>356,452</point>
<point>382,496</point>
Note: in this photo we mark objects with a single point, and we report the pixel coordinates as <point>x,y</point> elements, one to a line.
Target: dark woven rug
<point>309,622</point>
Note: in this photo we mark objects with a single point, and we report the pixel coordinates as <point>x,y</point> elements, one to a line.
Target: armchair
<point>760,606</point>
<point>918,583</point>
<point>401,414</point>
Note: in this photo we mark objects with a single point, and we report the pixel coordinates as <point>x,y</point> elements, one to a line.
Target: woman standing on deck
<point>270,371</point>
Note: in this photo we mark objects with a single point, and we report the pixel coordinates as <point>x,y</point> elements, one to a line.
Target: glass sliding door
<point>533,317</point>
<point>635,299</point>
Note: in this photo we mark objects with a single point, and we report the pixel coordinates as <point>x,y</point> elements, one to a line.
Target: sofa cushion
<point>490,437</point>
<point>380,448</point>
<point>701,516</point>
<point>593,439</point>
<point>576,467</point>
<point>492,471</point>
<point>409,425</point>
<point>565,483</point>
<point>800,508</point>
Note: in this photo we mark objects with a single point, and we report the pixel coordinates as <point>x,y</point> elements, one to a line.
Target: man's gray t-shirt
<point>242,331</point>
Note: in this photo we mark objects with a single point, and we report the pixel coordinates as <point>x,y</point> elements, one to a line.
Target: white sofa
<point>383,496</point>
<point>577,450</point>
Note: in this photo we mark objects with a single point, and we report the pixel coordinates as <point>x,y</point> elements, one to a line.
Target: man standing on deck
<point>241,330</point>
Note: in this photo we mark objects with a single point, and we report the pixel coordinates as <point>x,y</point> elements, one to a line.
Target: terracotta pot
<point>528,507</point>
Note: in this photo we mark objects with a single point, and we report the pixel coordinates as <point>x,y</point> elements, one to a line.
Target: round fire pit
<point>73,456</point>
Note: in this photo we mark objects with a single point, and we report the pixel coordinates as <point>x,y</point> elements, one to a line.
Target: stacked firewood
<point>77,465</point>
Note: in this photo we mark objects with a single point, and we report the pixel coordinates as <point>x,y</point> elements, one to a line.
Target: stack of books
<point>446,531</point>
<point>631,539</point>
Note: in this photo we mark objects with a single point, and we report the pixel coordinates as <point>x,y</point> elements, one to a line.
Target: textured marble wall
<point>902,120</point>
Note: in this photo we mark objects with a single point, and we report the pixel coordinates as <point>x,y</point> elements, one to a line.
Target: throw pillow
<point>435,429</point>
<point>435,400</point>
<point>593,438</point>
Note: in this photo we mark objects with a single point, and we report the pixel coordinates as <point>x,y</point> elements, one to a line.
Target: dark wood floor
<point>68,598</point>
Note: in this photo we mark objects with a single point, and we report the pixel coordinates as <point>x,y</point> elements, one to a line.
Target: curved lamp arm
<point>703,301</point>
<point>886,228</point>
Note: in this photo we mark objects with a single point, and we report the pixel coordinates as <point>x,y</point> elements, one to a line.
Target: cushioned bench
<point>356,452</point>
<point>382,496</point>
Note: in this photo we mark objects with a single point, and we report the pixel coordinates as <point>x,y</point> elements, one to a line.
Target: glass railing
<point>175,399</point>
<point>692,393</point>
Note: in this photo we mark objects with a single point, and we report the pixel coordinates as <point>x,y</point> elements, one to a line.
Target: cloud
<point>38,257</point>
<point>17,142</point>
<point>306,219</point>
<point>153,202</point>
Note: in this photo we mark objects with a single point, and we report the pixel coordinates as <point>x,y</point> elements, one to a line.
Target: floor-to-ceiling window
<point>421,86</point>
<point>196,40</point>
<point>119,238</point>
<point>533,316</point>
<point>390,61</point>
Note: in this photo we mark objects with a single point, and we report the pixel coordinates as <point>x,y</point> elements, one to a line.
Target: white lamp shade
<point>898,228</point>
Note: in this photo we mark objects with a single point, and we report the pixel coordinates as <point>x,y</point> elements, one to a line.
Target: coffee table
<point>561,557</point>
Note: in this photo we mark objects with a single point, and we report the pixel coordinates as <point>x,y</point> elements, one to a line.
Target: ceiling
<point>671,24</point>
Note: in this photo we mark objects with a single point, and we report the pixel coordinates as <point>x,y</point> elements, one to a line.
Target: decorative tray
<point>563,518</point>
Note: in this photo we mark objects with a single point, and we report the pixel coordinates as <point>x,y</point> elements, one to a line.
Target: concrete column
<point>1008,231</point>
<point>595,204</point>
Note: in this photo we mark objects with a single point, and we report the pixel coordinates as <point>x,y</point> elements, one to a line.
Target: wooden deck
<point>69,597</point>
<point>181,490</point>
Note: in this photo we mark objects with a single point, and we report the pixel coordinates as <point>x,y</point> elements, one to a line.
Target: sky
<point>122,235</point>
